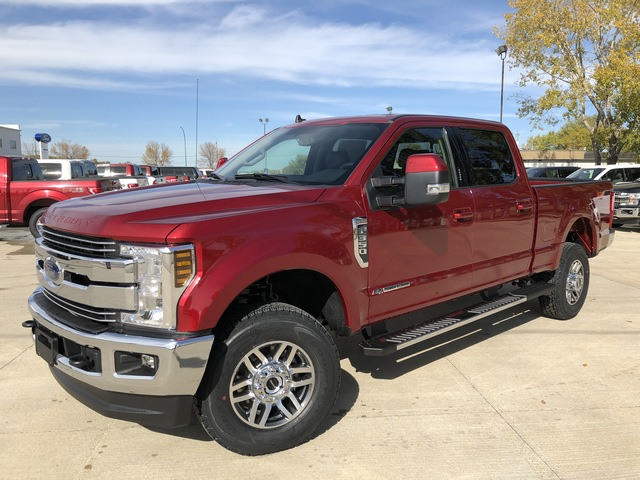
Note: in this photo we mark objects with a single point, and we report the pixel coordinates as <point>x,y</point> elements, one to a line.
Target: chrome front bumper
<point>181,362</point>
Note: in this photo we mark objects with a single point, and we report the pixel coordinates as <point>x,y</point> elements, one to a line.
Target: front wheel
<point>271,383</point>
<point>570,284</point>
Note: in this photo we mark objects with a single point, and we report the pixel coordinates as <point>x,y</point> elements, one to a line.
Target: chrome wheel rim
<point>272,385</point>
<point>575,282</point>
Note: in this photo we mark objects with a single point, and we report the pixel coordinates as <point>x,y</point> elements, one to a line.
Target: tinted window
<point>24,170</point>
<point>89,169</point>
<point>76,170</point>
<point>632,174</point>
<point>411,142</point>
<point>489,157</point>
<point>616,175</point>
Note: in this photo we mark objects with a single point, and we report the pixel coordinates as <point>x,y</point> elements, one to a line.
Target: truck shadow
<point>397,364</point>
<point>419,355</point>
<point>347,397</point>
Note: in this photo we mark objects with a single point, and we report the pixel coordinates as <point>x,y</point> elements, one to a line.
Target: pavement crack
<point>16,357</point>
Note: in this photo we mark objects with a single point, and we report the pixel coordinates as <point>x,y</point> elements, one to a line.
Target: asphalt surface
<point>514,396</point>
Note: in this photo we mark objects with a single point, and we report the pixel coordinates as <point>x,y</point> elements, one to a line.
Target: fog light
<point>138,364</point>
<point>149,361</point>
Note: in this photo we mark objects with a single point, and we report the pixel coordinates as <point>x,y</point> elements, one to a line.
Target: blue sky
<point>115,74</point>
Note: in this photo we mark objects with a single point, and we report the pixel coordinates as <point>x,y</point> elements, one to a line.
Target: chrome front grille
<point>84,311</point>
<point>622,198</point>
<point>79,245</point>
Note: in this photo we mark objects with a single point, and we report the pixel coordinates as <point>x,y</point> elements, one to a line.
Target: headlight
<point>634,198</point>
<point>163,274</point>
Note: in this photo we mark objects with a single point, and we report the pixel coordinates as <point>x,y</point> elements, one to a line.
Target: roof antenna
<point>299,119</point>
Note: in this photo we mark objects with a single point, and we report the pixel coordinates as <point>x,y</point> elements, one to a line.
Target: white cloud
<point>247,42</point>
<point>108,3</point>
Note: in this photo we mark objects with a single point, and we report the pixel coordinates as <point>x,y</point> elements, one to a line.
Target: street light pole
<point>502,53</point>
<point>264,125</point>
<point>184,137</point>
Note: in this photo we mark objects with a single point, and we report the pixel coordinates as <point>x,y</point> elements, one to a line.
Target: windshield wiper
<point>215,176</point>
<point>264,177</point>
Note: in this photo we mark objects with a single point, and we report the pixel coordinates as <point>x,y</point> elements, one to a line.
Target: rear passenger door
<point>504,207</point>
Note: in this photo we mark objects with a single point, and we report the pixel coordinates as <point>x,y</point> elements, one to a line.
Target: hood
<point>149,214</point>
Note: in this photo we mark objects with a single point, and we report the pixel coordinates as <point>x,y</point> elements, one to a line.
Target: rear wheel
<point>272,382</point>
<point>571,283</point>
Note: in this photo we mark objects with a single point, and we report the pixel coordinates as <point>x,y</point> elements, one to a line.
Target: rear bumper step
<point>392,342</point>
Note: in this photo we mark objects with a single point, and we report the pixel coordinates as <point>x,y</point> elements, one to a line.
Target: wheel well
<point>38,204</point>
<point>306,289</point>
<point>581,234</point>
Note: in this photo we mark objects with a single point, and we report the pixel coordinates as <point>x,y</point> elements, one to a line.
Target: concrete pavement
<point>514,396</point>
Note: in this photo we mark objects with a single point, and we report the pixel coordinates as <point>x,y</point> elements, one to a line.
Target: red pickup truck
<point>224,294</point>
<point>25,195</point>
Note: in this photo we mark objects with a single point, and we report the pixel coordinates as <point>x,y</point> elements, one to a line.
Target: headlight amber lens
<point>183,267</point>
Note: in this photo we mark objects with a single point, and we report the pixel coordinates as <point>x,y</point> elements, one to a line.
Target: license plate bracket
<point>47,345</point>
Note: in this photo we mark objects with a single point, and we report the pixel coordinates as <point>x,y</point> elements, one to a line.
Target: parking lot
<point>516,395</point>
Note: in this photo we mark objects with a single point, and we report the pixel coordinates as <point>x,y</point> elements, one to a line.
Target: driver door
<point>421,255</point>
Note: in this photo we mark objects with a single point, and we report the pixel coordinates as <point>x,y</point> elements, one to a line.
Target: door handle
<point>462,214</point>
<point>524,206</point>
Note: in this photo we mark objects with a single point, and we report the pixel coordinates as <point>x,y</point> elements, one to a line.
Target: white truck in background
<point>72,169</point>
<point>129,170</point>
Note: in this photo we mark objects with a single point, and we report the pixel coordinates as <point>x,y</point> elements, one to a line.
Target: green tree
<point>573,135</point>
<point>296,166</point>
<point>66,149</point>
<point>585,54</point>
<point>210,153</point>
<point>157,153</point>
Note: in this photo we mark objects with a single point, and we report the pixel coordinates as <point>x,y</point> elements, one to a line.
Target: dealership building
<point>10,140</point>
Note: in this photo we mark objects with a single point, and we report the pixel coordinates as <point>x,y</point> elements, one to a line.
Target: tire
<point>33,222</point>
<point>271,383</point>
<point>570,284</point>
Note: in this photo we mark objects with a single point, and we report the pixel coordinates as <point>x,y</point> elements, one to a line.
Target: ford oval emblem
<point>53,271</point>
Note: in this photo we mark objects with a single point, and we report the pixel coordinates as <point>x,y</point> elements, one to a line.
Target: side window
<point>51,171</point>
<point>416,140</point>
<point>632,174</point>
<point>90,168</point>
<point>76,170</point>
<point>489,157</point>
<point>616,175</point>
<point>24,171</point>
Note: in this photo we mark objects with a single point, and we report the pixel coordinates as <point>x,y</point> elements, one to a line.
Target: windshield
<point>586,173</point>
<point>309,155</point>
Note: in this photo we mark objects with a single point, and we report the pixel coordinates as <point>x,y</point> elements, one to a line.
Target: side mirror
<point>427,180</point>
<point>221,161</point>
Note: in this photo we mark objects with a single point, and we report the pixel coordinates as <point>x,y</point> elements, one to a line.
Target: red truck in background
<point>25,195</point>
<point>224,294</point>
